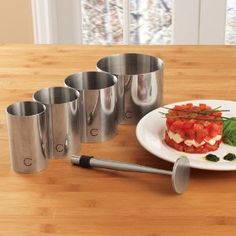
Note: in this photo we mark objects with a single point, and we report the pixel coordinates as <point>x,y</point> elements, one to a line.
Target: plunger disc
<point>180,175</point>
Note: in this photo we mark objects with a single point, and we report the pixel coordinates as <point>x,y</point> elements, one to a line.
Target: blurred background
<point>118,21</point>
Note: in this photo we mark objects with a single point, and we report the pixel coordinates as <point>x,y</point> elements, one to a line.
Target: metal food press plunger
<point>179,174</point>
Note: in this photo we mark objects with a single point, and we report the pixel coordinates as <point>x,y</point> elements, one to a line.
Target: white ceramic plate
<point>150,132</point>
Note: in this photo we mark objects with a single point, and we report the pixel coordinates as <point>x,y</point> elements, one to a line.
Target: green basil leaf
<point>229,131</point>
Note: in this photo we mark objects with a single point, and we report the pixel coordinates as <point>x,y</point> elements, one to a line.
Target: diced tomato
<point>176,126</point>
<point>188,106</point>
<point>187,125</point>
<point>190,134</point>
<point>203,106</point>
<point>200,132</point>
<point>214,130</point>
<point>212,147</point>
<point>178,107</point>
<point>206,123</point>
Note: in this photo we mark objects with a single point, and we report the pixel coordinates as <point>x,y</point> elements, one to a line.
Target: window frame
<point>194,21</point>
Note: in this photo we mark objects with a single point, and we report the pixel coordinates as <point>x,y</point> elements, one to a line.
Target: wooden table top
<point>67,200</point>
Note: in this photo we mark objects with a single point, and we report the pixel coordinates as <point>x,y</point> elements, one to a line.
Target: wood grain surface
<point>66,200</point>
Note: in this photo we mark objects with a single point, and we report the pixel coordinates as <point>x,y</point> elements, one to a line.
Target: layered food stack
<point>194,129</point>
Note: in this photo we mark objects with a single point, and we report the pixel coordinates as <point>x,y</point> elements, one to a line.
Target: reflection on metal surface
<point>144,91</point>
<point>27,131</point>
<point>98,104</point>
<point>139,86</point>
<point>63,120</point>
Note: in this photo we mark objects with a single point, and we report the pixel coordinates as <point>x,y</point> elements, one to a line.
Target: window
<point>150,21</point>
<point>135,21</point>
<point>230,32</point>
<point>102,21</point>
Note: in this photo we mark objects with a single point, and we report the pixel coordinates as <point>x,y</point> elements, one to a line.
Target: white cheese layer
<point>176,137</point>
<point>192,142</point>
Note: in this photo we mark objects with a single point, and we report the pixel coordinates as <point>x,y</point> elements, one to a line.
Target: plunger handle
<point>90,161</point>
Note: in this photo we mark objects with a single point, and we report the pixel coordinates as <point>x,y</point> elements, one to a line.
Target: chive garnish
<point>201,112</point>
<point>192,118</point>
